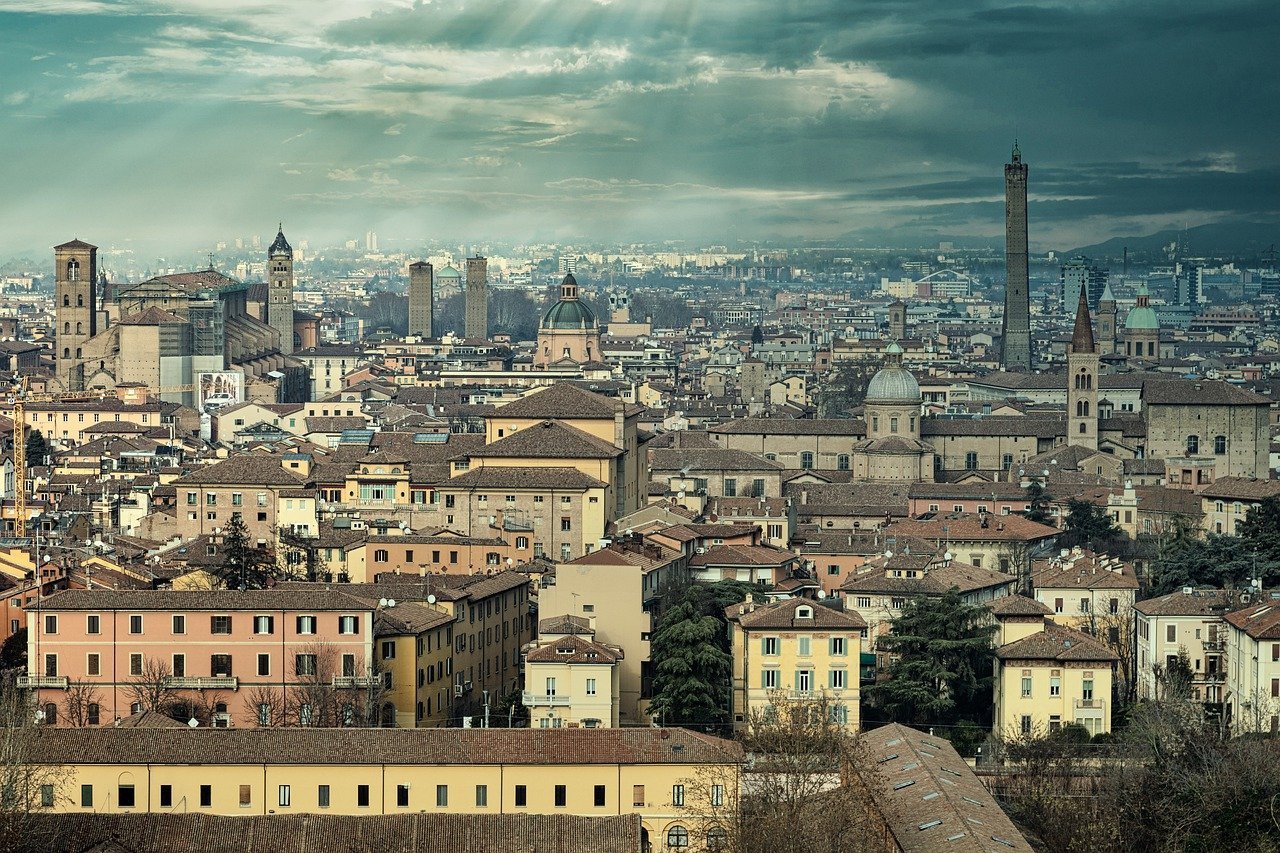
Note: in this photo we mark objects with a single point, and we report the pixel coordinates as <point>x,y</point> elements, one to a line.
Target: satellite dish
<point>193,723</point>
<point>822,593</point>
<point>382,602</point>
<point>431,599</point>
<point>391,602</point>
<point>888,554</point>
<point>947,556</point>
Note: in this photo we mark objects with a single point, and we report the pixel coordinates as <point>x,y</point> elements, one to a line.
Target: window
<point>125,796</point>
<point>94,713</point>
<point>264,624</point>
<point>1055,685</point>
<point>677,837</point>
<point>1086,689</point>
<point>135,664</point>
<point>1193,445</point>
<point>220,624</point>
<point>322,797</point>
<point>971,461</point>
<point>1025,724</point>
<point>306,624</point>
<point>388,649</point>
<point>562,796</point>
<point>135,624</point>
<point>362,796</point>
<point>1006,461</point>
<point>264,664</point>
<point>838,678</point>
<point>206,796</point>
<point>348,624</point>
<point>380,555</point>
<point>677,795</point>
<point>179,665</point>
<point>220,665</point>
<point>264,714</point>
<point>566,524</point>
<point>837,646</point>
<point>717,795</point>
<point>1219,445</point>
<point>1171,633</point>
<point>1026,686</point>
<point>179,624</point>
<point>730,487</point>
<point>86,796</point>
<point>599,796</point>
<point>50,623</point>
<point>842,462</point>
<point>717,840</point>
<point>637,795</point>
<point>46,796</point>
<point>304,664</point>
<point>769,679</point>
<point>591,687</point>
<point>806,460</point>
<point>863,601</point>
<point>1057,605</point>
<point>803,644</point>
<point>482,795</point>
<point>769,646</point>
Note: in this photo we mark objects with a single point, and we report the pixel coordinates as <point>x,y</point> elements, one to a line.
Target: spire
<point>1107,296</point>
<point>1082,336</point>
<point>280,246</point>
<point>1017,152</point>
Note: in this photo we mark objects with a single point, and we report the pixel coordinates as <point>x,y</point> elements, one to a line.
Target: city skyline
<point>129,121</point>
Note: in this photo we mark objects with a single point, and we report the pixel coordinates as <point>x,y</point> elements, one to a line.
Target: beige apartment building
<point>1091,592</point>
<point>570,679</point>
<point>1253,666</point>
<point>1226,502</point>
<point>248,485</point>
<point>1190,620</point>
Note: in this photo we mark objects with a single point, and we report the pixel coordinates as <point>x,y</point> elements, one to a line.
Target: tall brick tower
<point>75,292</point>
<point>477,298</point>
<point>1082,380</point>
<point>280,290</point>
<point>421,299</point>
<point>1016,327</point>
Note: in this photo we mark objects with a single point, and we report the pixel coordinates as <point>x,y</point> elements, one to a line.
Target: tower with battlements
<point>1016,327</point>
<point>280,290</point>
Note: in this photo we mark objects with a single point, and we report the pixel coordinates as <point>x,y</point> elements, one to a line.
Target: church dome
<point>1141,318</point>
<point>569,312</point>
<point>448,272</point>
<point>893,383</point>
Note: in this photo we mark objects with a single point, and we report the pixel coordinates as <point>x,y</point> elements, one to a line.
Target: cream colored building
<point>667,776</point>
<point>1191,621</point>
<point>1253,666</point>
<point>795,650</point>
<point>1047,675</point>
<point>570,679</point>
<point>1091,592</point>
<point>1226,502</point>
<point>413,645</point>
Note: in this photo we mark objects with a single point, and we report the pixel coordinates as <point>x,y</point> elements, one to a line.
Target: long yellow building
<point>664,775</point>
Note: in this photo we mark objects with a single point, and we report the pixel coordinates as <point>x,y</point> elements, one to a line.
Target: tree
<point>1038,499</point>
<point>844,387</point>
<point>1089,524</point>
<point>243,566</point>
<point>79,702</point>
<point>1260,527</point>
<point>787,803</point>
<point>13,654</point>
<point>25,783</point>
<point>37,448</point>
<point>757,334</point>
<point>691,668</point>
<point>943,668</point>
<point>1223,562</point>
<point>150,689</point>
<point>1175,680</point>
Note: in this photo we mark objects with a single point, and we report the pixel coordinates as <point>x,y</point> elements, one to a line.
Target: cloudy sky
<point>181,123</point>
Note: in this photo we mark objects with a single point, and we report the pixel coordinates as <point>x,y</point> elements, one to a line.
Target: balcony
<point>1091,707</point>
<point>55,682</point>
<point>353,681</point>
<point>202,682</point>
<point>539,700</point>
<point>1214,645</point>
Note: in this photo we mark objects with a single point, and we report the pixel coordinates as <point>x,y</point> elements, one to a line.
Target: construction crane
<point>18,397</point>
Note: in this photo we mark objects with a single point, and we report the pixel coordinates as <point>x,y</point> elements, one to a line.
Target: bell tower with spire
<point>1082,380</point>
<point>280,290</point>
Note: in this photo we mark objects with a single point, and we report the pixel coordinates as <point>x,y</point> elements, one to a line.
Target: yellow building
<point>795,650</point>
<point>1090,591</point>
<point>570,679</point>
<point>664,775</point>
<point>414,651</point>
<point>1253,667</point>
<point>1047,675</point>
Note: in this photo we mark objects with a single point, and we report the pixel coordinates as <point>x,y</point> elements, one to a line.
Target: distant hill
<point>1235,239</point>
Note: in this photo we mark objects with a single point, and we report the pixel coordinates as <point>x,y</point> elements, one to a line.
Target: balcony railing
<point>1214,645</point>
<point>1089,704</point>
<point>354,681</point>
<point>57,682</point>
<point>540,699</point>
<point>202,682</point>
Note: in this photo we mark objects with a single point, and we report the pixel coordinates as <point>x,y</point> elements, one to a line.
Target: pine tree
<point>243,565</point>
<point>691,669</point>
<point>37,448</point>
<point>943,671</point>
<point>1037,503</point>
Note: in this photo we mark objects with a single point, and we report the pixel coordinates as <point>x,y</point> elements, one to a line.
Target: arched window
<point>1193,445</point>
<point>842,462</point>
<point>66,301</point>
<point>1220,444</point>
<point>1083,430</point>
<point>73,270</point>
<point>79,300</point>
<point>78,352</point>
<point>66,328</point>
<point>50,714</point>
<point>677,837</point>
<point>79,328</point>
<point>717,840</point>
<point>806,460</point>
<point>66,352</point>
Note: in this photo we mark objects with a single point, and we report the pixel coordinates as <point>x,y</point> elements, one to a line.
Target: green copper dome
<point>1142,317</point>
<point>448,272</point>
<point>569,314</point>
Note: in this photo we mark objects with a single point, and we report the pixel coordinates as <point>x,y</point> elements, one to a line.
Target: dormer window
<point>804,612</point>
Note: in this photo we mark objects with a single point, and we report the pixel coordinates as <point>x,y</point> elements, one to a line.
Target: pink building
<point>224,657</point>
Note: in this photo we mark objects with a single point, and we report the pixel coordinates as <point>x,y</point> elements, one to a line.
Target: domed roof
<point>1142,317</point>
<point>893,384</point>
<point>569,314</point>
<point>448,272</point>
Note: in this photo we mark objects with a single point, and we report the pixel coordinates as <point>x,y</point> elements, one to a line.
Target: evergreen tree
<point>1089,524</point>
<point>1261,530</point>
<point>1217,561</point>
<point>1037,503</point>
<point>691,667</point>
<point>843,388</point>
<point>757,335</point>
<point>943,671</point>
<point>37,448</point>
<point>243,565</point>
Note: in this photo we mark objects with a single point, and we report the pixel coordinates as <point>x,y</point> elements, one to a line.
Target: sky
<point>168,126</point>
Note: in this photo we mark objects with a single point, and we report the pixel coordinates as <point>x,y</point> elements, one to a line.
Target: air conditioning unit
<point>457,690</point>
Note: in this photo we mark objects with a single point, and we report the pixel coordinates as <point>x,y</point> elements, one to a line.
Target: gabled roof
<point>574,649</point>
<point>242,470</point>
<point>1261,621</point>
<point>75,244</point>
<point>1056,643</point>
<point>781,615</point>
<point>1017,605</point>
<point>549,439</point>
<point>522,478</point>
<point>562,400</point>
